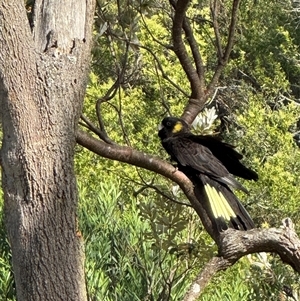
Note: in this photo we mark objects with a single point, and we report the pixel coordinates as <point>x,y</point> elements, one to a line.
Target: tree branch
<point>163,73</point>
<point>215,265</point>
<point>159,65</point>
<point>222,61</point>
<point>195,51</point>
<point>180,50</point>
<point>195,103</point>
<point>131,156</point>
<point>236,244</point>
<point>232,244</point>
<point>232,27</point>
<point>214,9</point>
<point>109,95</point>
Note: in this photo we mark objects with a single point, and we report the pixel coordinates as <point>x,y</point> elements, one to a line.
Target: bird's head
<point>172,126</point>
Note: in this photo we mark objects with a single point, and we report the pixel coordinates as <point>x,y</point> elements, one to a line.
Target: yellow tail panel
<point>219,205</point>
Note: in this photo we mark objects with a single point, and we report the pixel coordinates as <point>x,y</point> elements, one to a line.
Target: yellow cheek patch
<point>177,127</point>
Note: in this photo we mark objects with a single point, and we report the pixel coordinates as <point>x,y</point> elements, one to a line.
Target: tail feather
<point>225,208</point>
<point>219,205</point>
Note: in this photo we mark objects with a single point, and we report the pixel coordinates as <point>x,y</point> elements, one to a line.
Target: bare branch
<point>215,265</point>
<point>109,95</point>
<point>159,191</point>
<point>120,119</point>
<point>152,36</point>
<point>236,244</point>
<point>180,50</point>
<point>164,75</point>
<point>232,244</point>
<point>90,125</point>
<point>214,9</point>
<point>232,27</point>
<point>195,51</point>
<point>195,104</point>
<point>230,40</point>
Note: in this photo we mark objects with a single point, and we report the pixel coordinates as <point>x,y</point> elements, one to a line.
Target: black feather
<point>210,164</point>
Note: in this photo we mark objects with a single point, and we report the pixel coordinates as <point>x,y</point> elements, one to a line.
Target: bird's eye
<point>168,123</point>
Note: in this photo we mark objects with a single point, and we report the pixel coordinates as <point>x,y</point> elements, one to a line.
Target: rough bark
<point>43,73</point>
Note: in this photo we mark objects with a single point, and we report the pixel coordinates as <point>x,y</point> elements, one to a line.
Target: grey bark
<point>43,74</point>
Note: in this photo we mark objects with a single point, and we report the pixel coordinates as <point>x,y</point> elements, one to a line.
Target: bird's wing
<point>228,156</point>
<point>197,156</point>
<point>217,146</point>
<point>190,154</point>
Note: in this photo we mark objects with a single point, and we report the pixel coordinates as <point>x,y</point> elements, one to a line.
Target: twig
<point>109,95</point>
<point>230,40</point>
<point>145,185</point>
<point>232,27</point>
<point>89,125</point>
<point>152,36</point>
<point>164,75</point>
<point>166,196</point>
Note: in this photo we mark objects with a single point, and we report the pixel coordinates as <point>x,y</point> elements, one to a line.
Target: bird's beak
<point>160,127</point>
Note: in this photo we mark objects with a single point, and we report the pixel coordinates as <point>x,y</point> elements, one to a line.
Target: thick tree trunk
<point>43,75</point>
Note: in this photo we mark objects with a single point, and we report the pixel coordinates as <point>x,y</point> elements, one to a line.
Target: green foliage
<point>265,134</point>
<point>230,285</point>
<point>139,244</point>
<point>125,259</point>
<point>259,87</point>
<point>254,278</point>
<point>268,47</point>
<point>271,278</point>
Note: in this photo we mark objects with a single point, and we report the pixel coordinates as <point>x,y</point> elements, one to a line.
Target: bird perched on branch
<point>210,164</point>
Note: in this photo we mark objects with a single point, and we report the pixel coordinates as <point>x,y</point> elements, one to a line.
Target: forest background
<point>141,241</point>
